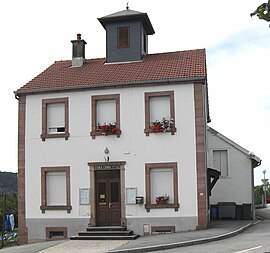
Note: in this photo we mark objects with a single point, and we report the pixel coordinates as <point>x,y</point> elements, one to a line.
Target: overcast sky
<point>35,33</point>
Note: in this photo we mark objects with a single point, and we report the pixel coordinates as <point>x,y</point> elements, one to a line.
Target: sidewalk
<point>217,230</point>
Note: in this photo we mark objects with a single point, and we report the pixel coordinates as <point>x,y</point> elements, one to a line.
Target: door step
<point>105,233</point>
<point>106,228</point>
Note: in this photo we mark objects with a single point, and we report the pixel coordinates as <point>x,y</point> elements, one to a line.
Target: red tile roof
<point>182,65</point>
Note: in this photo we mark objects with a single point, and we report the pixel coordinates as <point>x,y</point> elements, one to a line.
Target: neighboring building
<point>235,165</point>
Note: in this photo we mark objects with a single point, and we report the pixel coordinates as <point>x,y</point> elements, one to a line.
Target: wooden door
<point>108,204</point>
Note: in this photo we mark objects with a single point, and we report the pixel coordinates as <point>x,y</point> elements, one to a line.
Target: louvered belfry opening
<point>123,37</point>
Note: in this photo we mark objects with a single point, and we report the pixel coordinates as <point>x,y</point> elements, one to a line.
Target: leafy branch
<point>263,11</point>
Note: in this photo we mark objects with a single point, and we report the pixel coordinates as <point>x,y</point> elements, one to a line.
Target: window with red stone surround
<point>147,98</point>
<point>60,132</point>
<point>56,233</point>
<point>123,40</point>
<point>94,128</point>
<point>162,229</point>
<point>44,201</point>
<point>153,166</point>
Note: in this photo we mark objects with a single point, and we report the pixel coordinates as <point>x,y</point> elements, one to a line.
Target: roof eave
<point>142,16</point>
<point>21,92</point>
<point>251,155</point>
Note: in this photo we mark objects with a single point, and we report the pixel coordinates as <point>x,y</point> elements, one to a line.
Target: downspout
<point>254,163</point>
<point>16,95</point>
<point>253,198</point>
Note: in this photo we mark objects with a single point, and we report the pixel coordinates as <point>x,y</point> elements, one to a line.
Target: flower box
<point>109,128</point>
<point>163,199</point>
<point>162,202</point>
<point>161,125</point>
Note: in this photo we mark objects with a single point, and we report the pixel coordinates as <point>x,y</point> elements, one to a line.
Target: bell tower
<point>126,35</point>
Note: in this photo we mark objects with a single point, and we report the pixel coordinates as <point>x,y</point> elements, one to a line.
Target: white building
<point>236,166</point>
<point>92,138</point>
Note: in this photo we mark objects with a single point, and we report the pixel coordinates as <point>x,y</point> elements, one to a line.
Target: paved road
<point>263,213</point>
<point>254,240</point>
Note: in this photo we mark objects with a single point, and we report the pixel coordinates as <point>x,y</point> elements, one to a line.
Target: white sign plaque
<point>84,196</point>
<point>131,194</point>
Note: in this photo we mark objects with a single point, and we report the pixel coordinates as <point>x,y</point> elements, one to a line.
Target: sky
<point>35,33</point>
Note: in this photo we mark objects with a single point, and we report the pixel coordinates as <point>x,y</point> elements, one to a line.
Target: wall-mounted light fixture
<point>106,151</point>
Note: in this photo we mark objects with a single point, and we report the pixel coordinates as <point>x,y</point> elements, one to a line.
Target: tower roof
<point>127,15</point>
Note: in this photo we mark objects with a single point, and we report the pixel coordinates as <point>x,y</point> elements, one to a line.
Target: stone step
<point>97,233</point>
<point>106,228</point>
<point>104,237</point>
<point>105,233</point>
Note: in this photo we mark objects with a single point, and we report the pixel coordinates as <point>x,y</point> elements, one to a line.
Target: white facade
<point>235,185</point>
<point>133,147</point>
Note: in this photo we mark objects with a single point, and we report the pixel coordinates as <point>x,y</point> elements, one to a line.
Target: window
<point>55,188</point>
<point>161,180</point>
<point>56,233</point>
<point>55,120</point>
<point>159,112</point>
<point>106,115</point>
<point>106,111</point>
<point>220,161</point>
<point>123,37</point>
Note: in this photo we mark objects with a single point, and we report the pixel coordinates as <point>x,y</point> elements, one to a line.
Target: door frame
<point>96,166</point>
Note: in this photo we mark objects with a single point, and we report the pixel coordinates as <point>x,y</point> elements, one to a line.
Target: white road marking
<point>246,250</point>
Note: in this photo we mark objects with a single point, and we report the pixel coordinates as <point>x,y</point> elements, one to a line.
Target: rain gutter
<point>108,85</point>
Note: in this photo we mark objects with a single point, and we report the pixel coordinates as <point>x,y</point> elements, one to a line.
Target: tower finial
<point>127,5</point>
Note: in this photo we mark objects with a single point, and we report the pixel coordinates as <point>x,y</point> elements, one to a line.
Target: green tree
<point>263,11</point>
<point>8,181</point>
<point>258,192</point>
<point>11,206</point>
<point>8,187</point>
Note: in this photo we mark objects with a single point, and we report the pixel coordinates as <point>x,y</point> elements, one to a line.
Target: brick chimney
<point>78,51</point>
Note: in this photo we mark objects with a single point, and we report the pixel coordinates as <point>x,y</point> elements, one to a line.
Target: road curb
<point>186,243</point>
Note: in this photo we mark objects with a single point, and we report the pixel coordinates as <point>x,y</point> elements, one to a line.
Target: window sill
<point>147,131</point>
<point>96,133</point>
<point>155,206</point>
<point>44,208</point>
<point>62,135</point>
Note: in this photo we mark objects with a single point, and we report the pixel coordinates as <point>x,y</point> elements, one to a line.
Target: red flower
<point>161,125</point>
<point>108,128</point>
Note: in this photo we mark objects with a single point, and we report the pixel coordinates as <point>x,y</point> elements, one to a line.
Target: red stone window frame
<point>51,230</point>
<point>44,205</point>
<point>162,229</point>
<point>147,97</point>
<point>123,37</point>
<point>153,166</point>
<point>45,102</point>
<point>115,97</point>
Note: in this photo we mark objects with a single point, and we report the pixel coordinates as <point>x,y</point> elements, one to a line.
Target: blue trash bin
<point>213,213</point>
